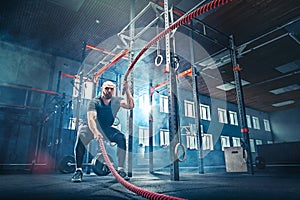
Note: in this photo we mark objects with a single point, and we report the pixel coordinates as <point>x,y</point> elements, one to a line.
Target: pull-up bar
<point>187,72</point>
<point>103,50</point>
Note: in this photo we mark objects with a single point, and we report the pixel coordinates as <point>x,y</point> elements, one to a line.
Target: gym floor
<point>264,184</point>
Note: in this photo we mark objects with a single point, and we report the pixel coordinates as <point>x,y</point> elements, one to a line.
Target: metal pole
<point>173,122</point>
<point>151,170</point>
<point>197,107</point>
<point>78,99</point>
<point>134,19</point>
<point>172,101</point>
<point>167,36</point>
<point>130,117</point>
<point>89,154</point>
<point>58,82</point>
<point>59,138</point>
<point>241,107</point>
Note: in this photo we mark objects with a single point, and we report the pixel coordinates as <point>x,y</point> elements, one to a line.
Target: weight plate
<point>66,165</point>
<point>99,165</point>
<point>260,162</point>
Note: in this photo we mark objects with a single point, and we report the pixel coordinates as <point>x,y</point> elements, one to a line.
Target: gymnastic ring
<point>116,121</point>
<point>176,152</point>
<point>158,58</point>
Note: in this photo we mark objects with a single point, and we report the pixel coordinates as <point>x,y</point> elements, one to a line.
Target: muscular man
<point>101,113</point>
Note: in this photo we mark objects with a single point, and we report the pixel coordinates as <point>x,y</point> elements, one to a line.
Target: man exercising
<point>101,114</point>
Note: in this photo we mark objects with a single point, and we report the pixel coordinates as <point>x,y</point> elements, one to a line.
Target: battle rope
<point>185,19</point>
<point>139,191</point>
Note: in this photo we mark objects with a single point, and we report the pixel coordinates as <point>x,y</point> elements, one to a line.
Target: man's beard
<point>107,96</point>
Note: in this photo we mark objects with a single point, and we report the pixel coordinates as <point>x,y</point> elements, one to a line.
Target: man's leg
<point>120,139</point>
<point>84,136</point>
<point>79,152</point>
<point>121,150</point>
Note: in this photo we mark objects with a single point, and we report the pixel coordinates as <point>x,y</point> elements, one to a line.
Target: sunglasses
<point>107,88</point>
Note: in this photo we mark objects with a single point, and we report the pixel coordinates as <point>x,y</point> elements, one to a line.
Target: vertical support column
<point>173,122</point>
<point>167,36</point>
<point>173,109</point>
<point>37,145</point>
<point>241,107</point>
<point>78,98</point>
<point>78,101</point>
<point>130,112</point>
<point>59,137</point>
<point>89,156</point>
<point>197,107</point>
<point>151,170</point>
<point>58,82</point>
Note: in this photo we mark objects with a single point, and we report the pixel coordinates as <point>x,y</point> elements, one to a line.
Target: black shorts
<point>86,135</point>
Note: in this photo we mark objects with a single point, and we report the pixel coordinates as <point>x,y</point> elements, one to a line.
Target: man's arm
<point>92,123</point>
<point>129,102</point>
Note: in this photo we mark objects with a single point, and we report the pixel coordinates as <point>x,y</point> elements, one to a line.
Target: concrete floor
<point>262,185</point>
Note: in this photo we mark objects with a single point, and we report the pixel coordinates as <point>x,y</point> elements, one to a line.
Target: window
<point>143,101</point>
<point>258,142</point>
<point>255,123</point>
<point>164,104</point>
<point>233,118</point>
<point>269,142</point>
<point>222,116</point>
<point>164,137</point>
<point>248,118</point>
<point>143,136</point>
<point>252,146</point>
<point>225,142</point>
<point>267,125</point>
<point>236,142</point>
<point>189,110</point>
<point>86,90</point>
<point>191,140</point>
<point>72,124</point>
<point>207,142</point>
<point>204,112</point>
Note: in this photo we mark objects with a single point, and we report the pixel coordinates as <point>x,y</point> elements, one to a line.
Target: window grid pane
<point>144,136</point>
<point>191,140</point>
<point>222,116</point>
<point>267,125</point>
<point>248,121</point>
<point>205,112</point>
<point>233,118</point>
<point>236,141</point>
<point>164,104</point>
<point>225,142</point>
<point>207,142</point>
<point>252,145</point>
<point>258,142</point>
<point>255,123</point>
<point>189,109</point>
<point>164,138</point>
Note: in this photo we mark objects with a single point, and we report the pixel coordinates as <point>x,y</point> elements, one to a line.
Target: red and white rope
<point>186,19</point>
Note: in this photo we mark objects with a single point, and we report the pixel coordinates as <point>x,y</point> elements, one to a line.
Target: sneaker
<point>77,177</point>
<point>123,174</point>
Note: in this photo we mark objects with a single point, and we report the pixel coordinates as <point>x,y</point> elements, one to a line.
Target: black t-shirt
<point>105,113</point>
